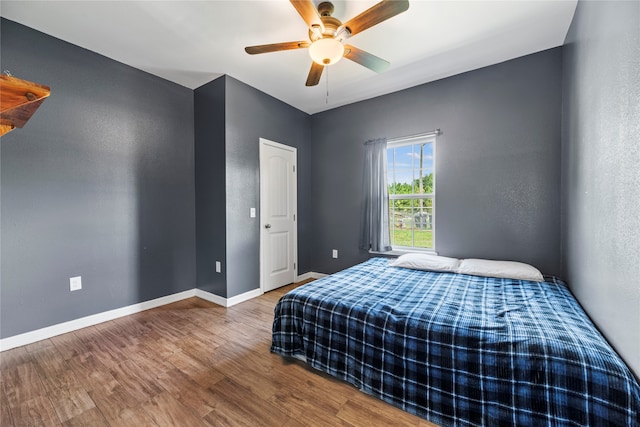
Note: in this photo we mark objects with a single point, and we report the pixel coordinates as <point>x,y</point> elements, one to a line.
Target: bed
<point>458,349</point>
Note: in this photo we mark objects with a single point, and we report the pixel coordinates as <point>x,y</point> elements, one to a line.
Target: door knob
<point>267,226</point>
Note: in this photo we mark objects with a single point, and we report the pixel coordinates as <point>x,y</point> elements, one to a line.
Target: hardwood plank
<point>358,414</point>
<point>119,339</point>
<point>239,406</point>
<point>35,412</point>
<point>209,336</point>
<point>11,358</point>
<point>5,412</point>
<point>164,346</point>
<point>253,370</point>
<point>305,411</point>
<point>49,362</point>
<point>241,333</point>
<point>257,357</point>
<point>257,383</point>
<point>92,373</point>
<point>166,324</point>
<point>188,392</point>
<point>210,319</point>
<point>132,325</point>
<point>69,345</point>
<point>69,403</point>
<point>298,401</point>
<point>67,380</point>
<point>119,408</point>
<point>93,417</point>
<point>140,384</point>
<point>361,404</point>
<point>165,410</point>
<point>198,311</point>
<point>298,378</point>
<point>22,384</point>
<point>294,422</point>
<point>38,345</point>
<point>153,358</point>
<point>200,351</point>
<point>129,417</point>
<point>88,335</point>
<point>203,374</point>
<point>103,350</point>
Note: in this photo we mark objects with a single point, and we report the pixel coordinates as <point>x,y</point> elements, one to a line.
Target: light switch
<point>75,283</point>
<point>252,212</point>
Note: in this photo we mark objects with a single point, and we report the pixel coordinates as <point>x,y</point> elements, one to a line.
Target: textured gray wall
<point>230,119</point>
<point>99,183</point>
<point>601,169</point>
<point>209,124</point>
<point>497,161</point>
<point>251,115</point>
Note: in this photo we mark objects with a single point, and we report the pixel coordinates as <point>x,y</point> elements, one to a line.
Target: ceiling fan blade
<point>365,59</point>
<point>309,13</point>
<point>376,14</point>
<point>275,47</point>
<point>314,74</point>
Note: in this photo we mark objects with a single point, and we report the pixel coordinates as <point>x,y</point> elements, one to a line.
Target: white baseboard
<point>83,322</point>
<point>73,325</point>
<point>228,302</point>
<point>310,275</point>
<point>244,297</point>
<point>208,296</point>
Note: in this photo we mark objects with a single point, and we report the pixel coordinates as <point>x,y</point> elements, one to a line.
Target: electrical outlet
<point>218,267</point>
<point>334,253</point>
<point>75,283</point>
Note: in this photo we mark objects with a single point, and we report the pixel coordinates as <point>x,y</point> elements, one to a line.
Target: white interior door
<point>278,202</point>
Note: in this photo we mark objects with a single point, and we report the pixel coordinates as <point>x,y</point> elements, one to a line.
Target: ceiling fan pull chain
<point>327,80</point>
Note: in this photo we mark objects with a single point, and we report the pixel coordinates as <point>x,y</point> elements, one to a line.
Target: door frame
<point>264,142</point>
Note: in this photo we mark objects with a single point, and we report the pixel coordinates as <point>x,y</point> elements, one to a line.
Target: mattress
<point>457,349</point>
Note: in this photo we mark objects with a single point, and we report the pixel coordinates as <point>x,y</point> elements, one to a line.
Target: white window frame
<point>430,137</point>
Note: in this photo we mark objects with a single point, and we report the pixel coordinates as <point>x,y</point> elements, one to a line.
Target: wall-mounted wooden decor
<point>19,99</point>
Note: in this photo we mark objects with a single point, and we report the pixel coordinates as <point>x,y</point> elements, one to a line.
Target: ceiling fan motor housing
<point>332,26</point>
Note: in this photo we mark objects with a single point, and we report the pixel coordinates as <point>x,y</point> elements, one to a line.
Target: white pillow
<point>506,269</point>
<point>428,262</point>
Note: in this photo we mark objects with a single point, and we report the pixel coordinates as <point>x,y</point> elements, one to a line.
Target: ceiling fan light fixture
<point>326,51</point>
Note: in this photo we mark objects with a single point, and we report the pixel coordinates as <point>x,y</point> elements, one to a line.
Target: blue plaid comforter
<point>459,350</point>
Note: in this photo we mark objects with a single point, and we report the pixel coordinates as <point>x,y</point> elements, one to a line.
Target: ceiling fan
<point>327,34</point>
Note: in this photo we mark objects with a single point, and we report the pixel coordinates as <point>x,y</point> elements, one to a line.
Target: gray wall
<point>251,115</point>
<point>99,183</point>
<point>209,124</point>
<point>497,163</point>
<point>227,150</point>
<point>601,169</point>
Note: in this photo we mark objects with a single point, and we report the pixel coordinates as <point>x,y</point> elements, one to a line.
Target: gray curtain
<point>374,234</point>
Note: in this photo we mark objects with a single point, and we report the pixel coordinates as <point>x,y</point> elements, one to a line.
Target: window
<point>411,180</point>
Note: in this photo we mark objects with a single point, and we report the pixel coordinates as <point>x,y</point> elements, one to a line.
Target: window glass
<point>411,180</point>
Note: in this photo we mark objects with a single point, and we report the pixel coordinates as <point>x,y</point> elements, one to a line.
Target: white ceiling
<point>193,42</point>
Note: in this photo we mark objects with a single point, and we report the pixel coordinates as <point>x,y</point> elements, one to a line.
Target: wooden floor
<point>191,363</point>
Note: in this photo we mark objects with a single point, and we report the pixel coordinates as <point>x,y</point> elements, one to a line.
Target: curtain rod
<point>435,132</point>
